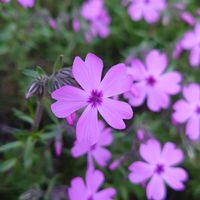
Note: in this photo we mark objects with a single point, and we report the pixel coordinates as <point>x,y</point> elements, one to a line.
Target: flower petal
<point>136,96</point>
<point>189,40</point>
<point>87,129</point>
<point>169,82</point>
<point>135,12</point>
<point>105,138</point>
<point>156,188</point>
<point>174,177</point>
<point>141,171</point>
<point>78,189</point>
<point>137,70</point>
<point>94,180</point>
<point>182,111</point>
<point>156,62</point>
<point>70,99</point>
<point>116,81</point>
<point>157,99</point>
<point>106,194</point>
<point>151,15</point>
<point>95,68</point>
<point>194,57</point>
<point>102,156</point>
<point>193,128</point>
<point>88,73</point>
<point>80,148</point>
<point>114,112</point>
<point>192,93</point>
<point>171,155</point>
<point>151,151</point>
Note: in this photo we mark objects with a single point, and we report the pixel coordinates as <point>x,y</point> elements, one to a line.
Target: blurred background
<point>35,159</point>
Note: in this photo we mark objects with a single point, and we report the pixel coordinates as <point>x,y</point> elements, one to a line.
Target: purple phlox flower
<point>88,190</point>
<point>71,119</point>
<point>148,9</point>
<point>26,3</point>
<point>94,95</point>
<point>191,42</point>
<point>140,134</point>
<point>4,1</point>
<point>98,19</point>
<point>159,168</point>
<point>58,145</point>
<point>97,151</point>
<point>198,11</point>
<point>187,110</point>
<point>179,6</point>
<point>52,23</point>
<point>187,18</point>
<point>76,25</point>
<point>152,83</point>
<point>177,50</point>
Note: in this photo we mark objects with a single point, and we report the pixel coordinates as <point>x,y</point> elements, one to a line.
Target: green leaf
<point>9,146</point>
<point>22,116</point>
<point>58,64</point>
<point>8,164</point>
<point>40,71</point>
<point>28,152</point>
<point>31,73</point>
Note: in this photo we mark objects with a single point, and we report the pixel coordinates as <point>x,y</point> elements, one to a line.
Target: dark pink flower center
<point>95,98</point>
<point>159,169</point>
<point>151,81</point>
<point>198,110</point>
<point>147,1</point>
<point>93,147</point>
<point>90,198</point>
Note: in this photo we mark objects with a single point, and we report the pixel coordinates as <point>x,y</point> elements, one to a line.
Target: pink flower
<point>88,190</point>
<point>188,110</point>
<point>191,42</point>
<point>97,150</point>
<point>94,94</point>
<point>71,119</point>
<point>4,1</point>
<point>52,23</point>
<point>147,9</point>
<point>26,3</point>
<point>76,25</point>
<point>187,18</point>
<point>159,167</point>
<point>152,83</point>
<point>98,19</point>
<point>177,51</point>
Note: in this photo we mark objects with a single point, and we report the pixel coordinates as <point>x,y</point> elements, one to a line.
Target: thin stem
<point>38,115</point>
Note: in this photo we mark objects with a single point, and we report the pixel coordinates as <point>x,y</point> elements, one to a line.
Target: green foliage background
<point>28,165</point>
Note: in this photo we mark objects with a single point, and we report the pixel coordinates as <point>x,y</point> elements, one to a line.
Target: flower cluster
<point>95,14</point>
<point>159,167</point>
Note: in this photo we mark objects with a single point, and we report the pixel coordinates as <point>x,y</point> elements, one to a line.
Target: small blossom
<point>4,1</point>
<point>147,9</point>
<point>94,12</point>
<point>177,51</point>
<point>187,110</point>
<point>88,190</point>
<point>191,42</point>
<point>58,145</point>
<point>152,83</point>
<point>94,94</point>
<point>97,150</point>
<point>160,168</point>
<point>76,25</point>
<point>26,3</point>
<point>187,18</point>
<point>52,23</point>
<point>71,119</point>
